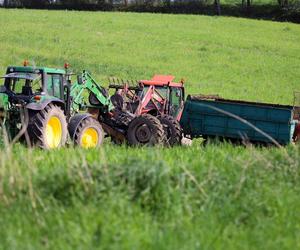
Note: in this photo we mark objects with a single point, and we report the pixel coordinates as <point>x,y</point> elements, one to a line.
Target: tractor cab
<point>158,96</point>
<point>23,85</point>
<point>26,83</point>
<point>166,96</point>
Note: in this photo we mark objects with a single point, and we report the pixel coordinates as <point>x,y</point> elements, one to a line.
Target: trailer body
<point>211,117</point>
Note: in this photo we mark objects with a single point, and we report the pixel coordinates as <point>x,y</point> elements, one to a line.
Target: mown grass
<point>213,197</point>
<point>234,57</point>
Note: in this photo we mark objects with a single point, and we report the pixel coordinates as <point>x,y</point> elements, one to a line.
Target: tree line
<point>278,9</point>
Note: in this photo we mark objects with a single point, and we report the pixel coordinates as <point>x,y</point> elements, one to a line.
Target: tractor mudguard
<point>75,121</point>
<point>43,104</point>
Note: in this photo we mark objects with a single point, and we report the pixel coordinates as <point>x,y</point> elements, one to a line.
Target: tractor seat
<point>27,91</point>
<point>132,106</point>
<point>117,100</point>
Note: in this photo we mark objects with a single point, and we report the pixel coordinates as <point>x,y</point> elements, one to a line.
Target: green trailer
<point>212,116</point>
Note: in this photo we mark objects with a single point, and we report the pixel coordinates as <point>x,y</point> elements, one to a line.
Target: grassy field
<point>213,197</point>
<point>237,58</point>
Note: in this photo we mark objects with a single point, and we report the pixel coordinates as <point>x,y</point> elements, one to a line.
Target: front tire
<point>172,130</point>
<point>47,128</point>
<point>145,130</point>
<point>87,132</point>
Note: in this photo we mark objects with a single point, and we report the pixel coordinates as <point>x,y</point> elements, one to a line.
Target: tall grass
<point>217,196</point>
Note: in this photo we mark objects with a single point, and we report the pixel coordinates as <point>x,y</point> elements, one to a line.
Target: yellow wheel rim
<point>89,138</point>
<point>53,132</point>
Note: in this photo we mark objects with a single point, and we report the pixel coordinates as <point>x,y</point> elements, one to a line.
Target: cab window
<point>176,100</point>
<point>163,91</point>
<point>54,85</point>
<point>24,83</point>
<point>176,96</point>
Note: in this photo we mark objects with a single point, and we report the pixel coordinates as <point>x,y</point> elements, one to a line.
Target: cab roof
<point>23,75</point>
<point>162,80</point>
<point>30,69</point>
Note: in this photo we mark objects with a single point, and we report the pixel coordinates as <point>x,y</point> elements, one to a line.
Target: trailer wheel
<point>86,132</point>
<point>47,128</point>
<point>172,128</point>
<point>145,130</point>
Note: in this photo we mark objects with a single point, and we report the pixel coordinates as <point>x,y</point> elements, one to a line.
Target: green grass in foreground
<point>214,197</point>
<point>197,197</point>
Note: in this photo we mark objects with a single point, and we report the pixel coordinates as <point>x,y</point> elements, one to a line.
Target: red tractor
<point>159,97</point>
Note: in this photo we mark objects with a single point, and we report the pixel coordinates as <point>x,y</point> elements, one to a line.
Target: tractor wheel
<point>172,128</point>
<point>88,133</point>
<point>47,128</point>
<point>145,130</point>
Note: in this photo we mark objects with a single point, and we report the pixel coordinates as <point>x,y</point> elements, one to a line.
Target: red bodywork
<point>153,96</point>
<point>162,80</point>
<point>153,101</point>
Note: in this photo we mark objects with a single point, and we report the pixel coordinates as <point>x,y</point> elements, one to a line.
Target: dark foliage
<point>283,10</point>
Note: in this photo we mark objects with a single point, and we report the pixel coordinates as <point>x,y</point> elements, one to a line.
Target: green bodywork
<point>43,72</point>
<point>4,104</point>
<point>44,86</point>
<point>84,83</point>
<point>36,69</point>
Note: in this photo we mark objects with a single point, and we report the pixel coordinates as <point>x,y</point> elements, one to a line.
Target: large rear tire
<point>172,128</point>
<point>47,128</point>
<point>145,130</point>
<point>87,132</point>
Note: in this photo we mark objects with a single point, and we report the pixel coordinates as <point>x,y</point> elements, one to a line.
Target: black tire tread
<point>157,131</point>
<point>37,122</point>
<point>176,136</point>
<point>87,122</point>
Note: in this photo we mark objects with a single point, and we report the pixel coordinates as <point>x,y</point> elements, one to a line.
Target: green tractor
<point>43,107</point>
<point>32,104</point>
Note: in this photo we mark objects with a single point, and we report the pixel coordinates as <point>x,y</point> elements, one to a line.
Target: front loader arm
<point>84,83</point>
